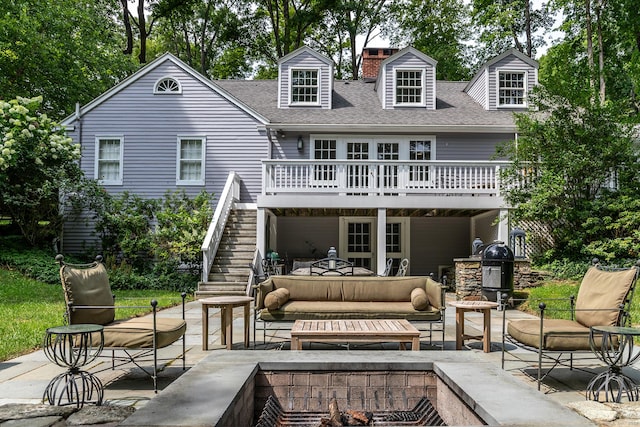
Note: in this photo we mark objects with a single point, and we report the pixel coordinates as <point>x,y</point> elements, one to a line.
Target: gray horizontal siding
<point>151,124</point>
<point>511,63</point>
<point>306,60</point>
<point>478,90</point>
<point>409,60</point>
<point>468,147</point>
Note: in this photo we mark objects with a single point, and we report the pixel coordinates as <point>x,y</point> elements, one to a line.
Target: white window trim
<point>202,160</point>
<point>526,88</point>
<point>373,140</point>
<point>157,92</point>
<point>97,159</point>
<point>395,102</point>
<point>303,104</point>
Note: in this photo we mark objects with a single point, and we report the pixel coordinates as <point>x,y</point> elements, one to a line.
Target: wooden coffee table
<point>373,330</point>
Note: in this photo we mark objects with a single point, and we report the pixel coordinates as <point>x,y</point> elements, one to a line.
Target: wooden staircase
<point>230,270</point>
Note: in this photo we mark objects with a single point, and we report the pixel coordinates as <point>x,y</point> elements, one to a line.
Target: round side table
<point>73,347</point>
<point>614,346</point>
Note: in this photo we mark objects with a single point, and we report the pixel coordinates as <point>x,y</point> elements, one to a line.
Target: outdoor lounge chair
<point>136,340</point>
<point>604,298</point>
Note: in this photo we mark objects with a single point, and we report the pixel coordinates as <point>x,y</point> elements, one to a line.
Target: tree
<point>291,22</point>
<point>36,160</point>
<point>574,155</point>
<point>211,36</point>
<point>347,20</point>
<point>437,27</point>
<point>59,51</point>
<point>509,23</point>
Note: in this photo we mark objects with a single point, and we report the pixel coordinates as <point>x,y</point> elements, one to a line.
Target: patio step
<point>211,289</point>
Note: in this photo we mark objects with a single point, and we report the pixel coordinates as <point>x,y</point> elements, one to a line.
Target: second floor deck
<point>355,183</point>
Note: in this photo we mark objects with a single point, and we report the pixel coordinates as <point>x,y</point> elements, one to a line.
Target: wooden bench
<point>370,330</point>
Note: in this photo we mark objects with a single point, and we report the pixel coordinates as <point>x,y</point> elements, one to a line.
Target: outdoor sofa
<point>281,299</point>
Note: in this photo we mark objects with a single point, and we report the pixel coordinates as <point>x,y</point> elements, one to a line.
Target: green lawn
<point>28,307</point>
<point>555,294</point>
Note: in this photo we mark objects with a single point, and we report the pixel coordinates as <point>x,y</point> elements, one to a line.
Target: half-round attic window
<point>167,85</point>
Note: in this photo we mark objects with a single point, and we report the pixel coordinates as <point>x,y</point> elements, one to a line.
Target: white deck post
<point>381,250</point>
<point>503,226</point>
<point>261,239</point>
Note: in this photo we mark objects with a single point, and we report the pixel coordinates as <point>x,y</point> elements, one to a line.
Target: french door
<point>358,240</point>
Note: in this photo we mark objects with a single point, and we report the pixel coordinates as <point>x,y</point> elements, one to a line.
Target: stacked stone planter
<point>468,280</point>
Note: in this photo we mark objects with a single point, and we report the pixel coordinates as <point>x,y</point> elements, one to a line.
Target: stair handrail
<point>230,195</point>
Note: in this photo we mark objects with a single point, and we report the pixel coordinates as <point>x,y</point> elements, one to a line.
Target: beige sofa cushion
<point>310,310</point>
<point>419,299</point>
<point>559,335</point>
<point>88,286</point>
<point>138,332</point>
<point>276,299</point>
<point>600,294</point>
<point>434,292</point>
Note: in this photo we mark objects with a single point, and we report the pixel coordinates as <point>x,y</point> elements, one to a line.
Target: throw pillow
<point>276,299</point>
<point>419,299</point>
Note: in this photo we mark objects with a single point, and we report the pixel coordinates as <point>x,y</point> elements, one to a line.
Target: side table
<point>614,346</point>
<point>226,305</point>
<point>73,347</point>
<point>482,306</point>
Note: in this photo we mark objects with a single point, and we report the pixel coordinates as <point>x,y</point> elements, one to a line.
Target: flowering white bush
<point>30,138</point>
<point>36,160</point>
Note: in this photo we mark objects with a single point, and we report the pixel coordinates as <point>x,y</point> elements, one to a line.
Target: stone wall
<point>468,280</point>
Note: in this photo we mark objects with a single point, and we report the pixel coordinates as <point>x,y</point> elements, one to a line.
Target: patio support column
<point>381,241</point>
<point>261,239</point>
<point>503,226</point>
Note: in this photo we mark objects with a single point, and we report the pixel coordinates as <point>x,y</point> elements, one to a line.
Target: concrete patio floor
<point>24,379</point>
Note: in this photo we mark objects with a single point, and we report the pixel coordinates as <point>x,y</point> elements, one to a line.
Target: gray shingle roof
<point>356,102</point>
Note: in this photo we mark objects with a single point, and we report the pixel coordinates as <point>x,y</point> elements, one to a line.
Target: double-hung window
<point>409,87</point>
<point>512,88</point>
<point>305,86</point>
<point>190,167</point>
<point>108,165</point>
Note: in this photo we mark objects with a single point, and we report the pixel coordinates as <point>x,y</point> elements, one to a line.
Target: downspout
<point>78,120</point>
<point>270,148</point>
<point>79,124</point>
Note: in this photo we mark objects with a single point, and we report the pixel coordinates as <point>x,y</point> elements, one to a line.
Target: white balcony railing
<point>373,177</point>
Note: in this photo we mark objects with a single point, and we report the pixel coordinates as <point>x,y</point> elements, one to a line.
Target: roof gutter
<point>390,128</point>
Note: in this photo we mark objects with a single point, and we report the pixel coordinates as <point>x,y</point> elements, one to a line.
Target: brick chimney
<point>371,59</point>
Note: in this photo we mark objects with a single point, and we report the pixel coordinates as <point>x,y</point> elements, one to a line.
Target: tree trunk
<point>592,79</point>
<point>527,28</point>
<point>127,28</point>
<point>599,11</point>
<point>142,28</point>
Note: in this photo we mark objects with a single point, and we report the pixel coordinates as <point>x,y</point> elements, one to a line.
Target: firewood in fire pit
<point>334,413</point>
<point>358,418</point>
<point>348,418</point>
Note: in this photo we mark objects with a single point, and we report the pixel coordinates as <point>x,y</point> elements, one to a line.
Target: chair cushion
<point>274,300</point>
<point>604,291</point>
<point>138,332</point>
<point>88,286</point>
<point>419,299</point>
<point>559,335</point>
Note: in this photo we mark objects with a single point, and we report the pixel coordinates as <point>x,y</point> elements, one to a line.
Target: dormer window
<point>305,86</point>
<point>409,87</point>
<point>167,85</point>
<point>511,88</point>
